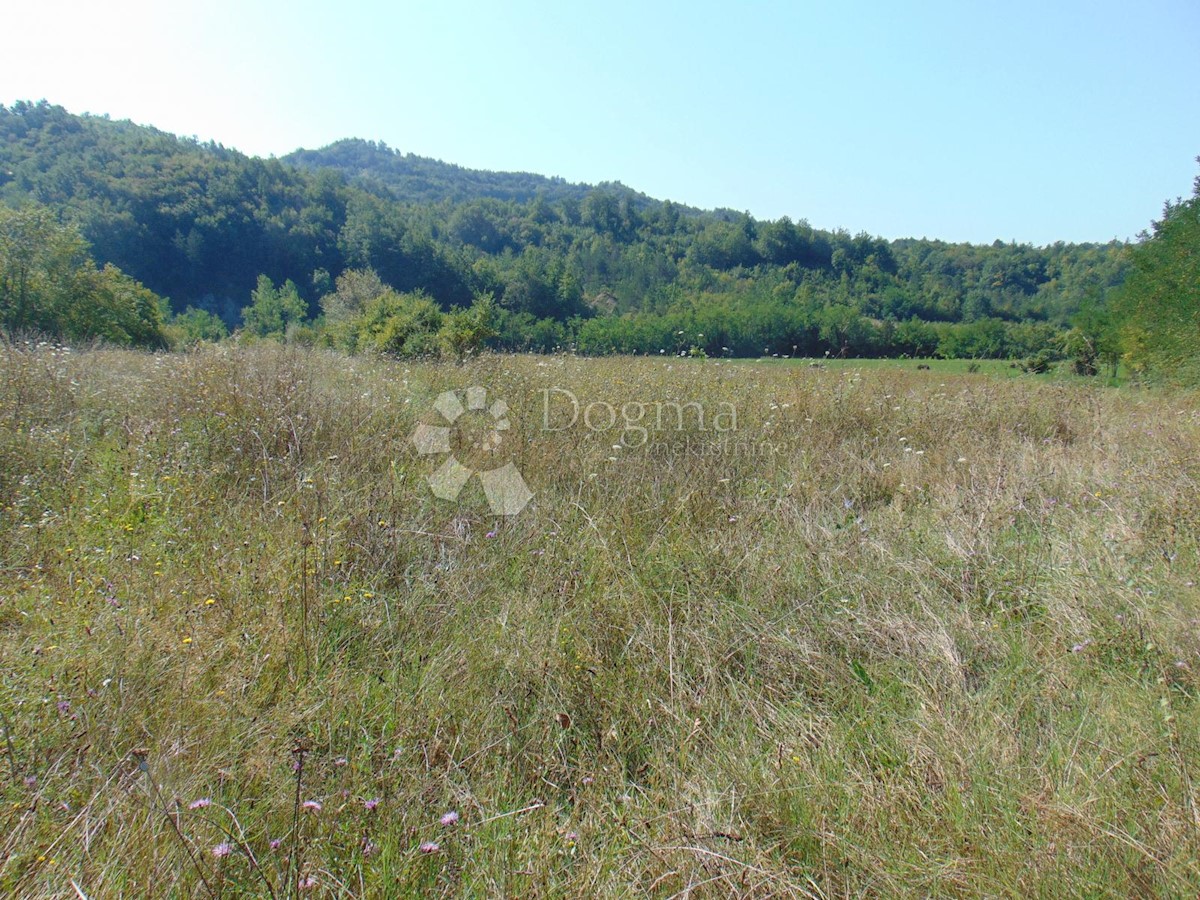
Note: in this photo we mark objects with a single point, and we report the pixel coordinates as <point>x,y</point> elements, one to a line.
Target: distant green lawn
<point>1002,368</point>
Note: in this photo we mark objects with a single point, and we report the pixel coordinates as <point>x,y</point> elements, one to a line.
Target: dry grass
<point>941,640</point>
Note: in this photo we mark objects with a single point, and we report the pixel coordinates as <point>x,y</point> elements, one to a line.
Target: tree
<point>464,331</point>
<point>1092,341</point>
<point>1158,308</point>
<point>192,326</point>
<point>355,288</point>
<point>49,284</point>
<point>397,324</point>
<point>273,309</point>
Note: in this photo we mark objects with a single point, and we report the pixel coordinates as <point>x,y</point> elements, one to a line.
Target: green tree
<point>1158,308</point>
<point>397,324</point>
<point>1092,341</point>
<point>464,331</point>
<point>272,310</point>
<point>49,284</point>
<point>193,326</point>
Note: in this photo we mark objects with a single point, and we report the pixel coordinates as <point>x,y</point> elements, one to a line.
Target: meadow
<point>897,633</point>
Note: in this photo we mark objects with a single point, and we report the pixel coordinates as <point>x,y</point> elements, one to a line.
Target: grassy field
<point>995,368</point>
<point>889,633</point>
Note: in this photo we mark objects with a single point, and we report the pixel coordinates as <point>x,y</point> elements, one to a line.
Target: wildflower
<point>429,847</point>
<point>275,843</point>
<point>588,779</point>
<point>341,760</point>
<point>30,781</point>
<point>222,850</point>
<point>571,837</point>
<point>314,805</point>
<point>490,534</point>
<point>64,707</point>
<point>370,848</point>
<point>450,818</point>
<point>202,803</point>
<point>307,882</point>
<point>372,804</point>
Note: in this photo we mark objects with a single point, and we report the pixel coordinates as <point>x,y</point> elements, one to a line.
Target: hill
<point>602,267</point>
<point>419,179</point>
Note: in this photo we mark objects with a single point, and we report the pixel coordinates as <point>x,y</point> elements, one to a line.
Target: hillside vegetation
<point>909,634</point>
<point>602,268</point>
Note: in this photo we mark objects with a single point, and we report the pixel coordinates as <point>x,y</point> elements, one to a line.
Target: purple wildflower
<point>450,818</point>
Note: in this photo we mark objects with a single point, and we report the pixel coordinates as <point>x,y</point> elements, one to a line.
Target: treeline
<point>1155,317</point>
<point>50,285</point>
<point>603,269</point>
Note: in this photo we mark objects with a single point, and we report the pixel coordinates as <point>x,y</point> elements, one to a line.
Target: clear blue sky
<point>958,120</point>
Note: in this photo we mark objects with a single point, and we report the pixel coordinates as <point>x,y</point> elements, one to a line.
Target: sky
<point>964,121</point>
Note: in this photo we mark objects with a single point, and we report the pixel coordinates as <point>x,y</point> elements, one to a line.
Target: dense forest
<point>363,246</point>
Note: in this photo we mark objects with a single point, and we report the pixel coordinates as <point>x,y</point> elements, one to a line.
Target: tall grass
<point>903,633</point>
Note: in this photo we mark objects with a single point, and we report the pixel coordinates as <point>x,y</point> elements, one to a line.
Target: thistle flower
<point>429,847</point>
<point>222,850</point>
<point>275,843</point>
<point>372,803</point>
<point>314,805</point>
<point>202,803</point>
<point>450,818</point>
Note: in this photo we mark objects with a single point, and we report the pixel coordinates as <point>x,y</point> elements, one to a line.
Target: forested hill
<point>602,267</point>
<point>419,179</point>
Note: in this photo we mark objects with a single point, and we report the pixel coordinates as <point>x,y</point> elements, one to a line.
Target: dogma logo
<point>474,432</point>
